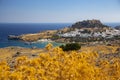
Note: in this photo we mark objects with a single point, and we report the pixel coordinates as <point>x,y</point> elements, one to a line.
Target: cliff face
<point>89,24</point>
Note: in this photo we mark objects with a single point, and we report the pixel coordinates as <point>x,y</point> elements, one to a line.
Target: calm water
<point>23,28</point>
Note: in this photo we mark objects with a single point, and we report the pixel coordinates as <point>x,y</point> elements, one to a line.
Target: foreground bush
<point>70,46</point>
<point>55,64</point>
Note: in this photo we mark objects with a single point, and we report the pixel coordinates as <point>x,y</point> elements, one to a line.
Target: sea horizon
<point>106,23</point>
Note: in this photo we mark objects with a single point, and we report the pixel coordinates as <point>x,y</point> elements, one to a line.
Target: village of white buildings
<point>109,33</point>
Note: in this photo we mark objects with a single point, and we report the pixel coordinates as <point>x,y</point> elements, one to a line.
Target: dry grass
<point>9,52</point>
<point>37,36</point>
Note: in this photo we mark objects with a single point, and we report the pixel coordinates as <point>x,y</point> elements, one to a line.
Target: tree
<point>71,46</point>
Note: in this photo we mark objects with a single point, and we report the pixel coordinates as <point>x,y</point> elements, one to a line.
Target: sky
<point>58,11</point>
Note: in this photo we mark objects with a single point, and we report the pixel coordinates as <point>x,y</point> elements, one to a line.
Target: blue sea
<point>25,28</point>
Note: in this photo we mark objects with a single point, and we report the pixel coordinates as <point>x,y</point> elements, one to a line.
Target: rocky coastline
<point>13,37</point>
<point>83,31</point>
<point>33,37</point>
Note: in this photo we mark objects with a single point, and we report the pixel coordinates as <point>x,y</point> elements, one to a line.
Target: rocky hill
<point>90,31</point>
<point>117,27</point>
<point>89,24</point>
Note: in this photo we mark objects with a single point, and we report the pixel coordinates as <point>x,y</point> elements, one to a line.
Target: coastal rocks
<point>33,37</point>
<point>13,37</point>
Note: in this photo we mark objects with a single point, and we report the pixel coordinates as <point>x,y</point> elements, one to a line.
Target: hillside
<point>98,62</point>
<point>89,24</point>
<point>33,37</point>
<point>90,31</point>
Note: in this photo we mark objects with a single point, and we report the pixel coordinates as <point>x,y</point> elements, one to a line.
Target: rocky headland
<point>33,37</point>
<point>83,31</point>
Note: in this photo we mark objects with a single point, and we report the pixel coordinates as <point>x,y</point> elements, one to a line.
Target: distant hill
<point>117,27</point>
<point>89,24</point>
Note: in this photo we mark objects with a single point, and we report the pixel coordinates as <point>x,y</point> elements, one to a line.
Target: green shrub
<point>71,46</point>
<point>55,37</point>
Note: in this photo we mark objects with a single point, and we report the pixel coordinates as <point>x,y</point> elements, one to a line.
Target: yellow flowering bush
<point>55,64</point>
